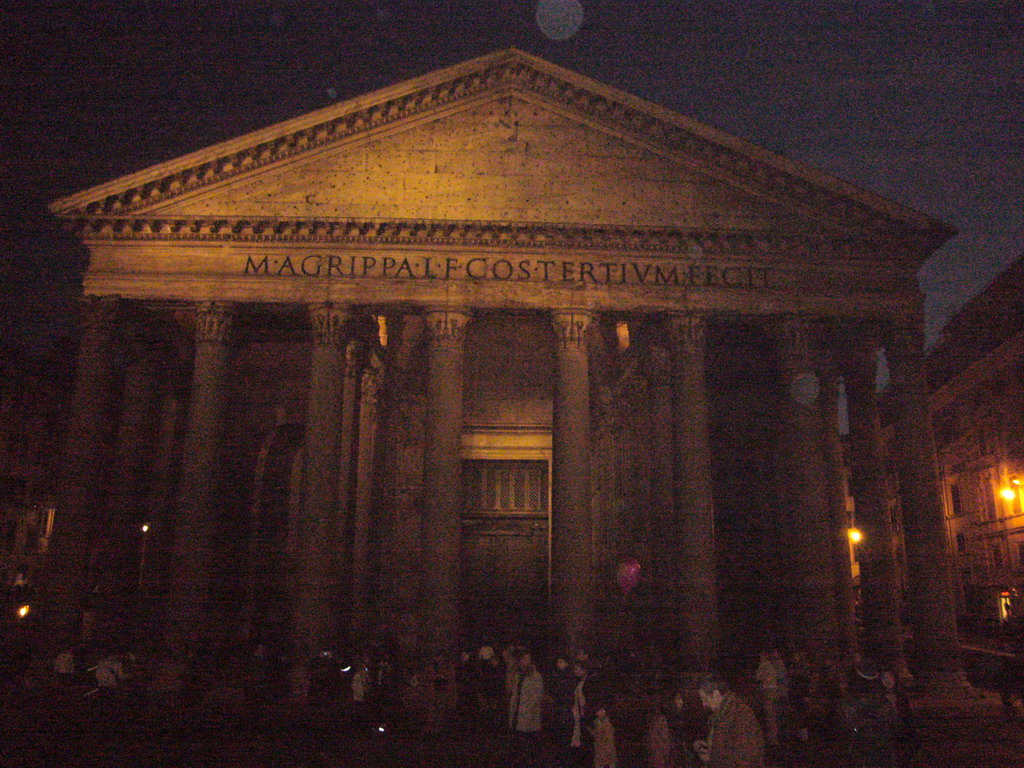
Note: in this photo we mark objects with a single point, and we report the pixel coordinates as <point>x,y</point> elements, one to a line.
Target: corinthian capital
<point>446,328</point>
<point>794,336</point>
<point>571,329</point>
<point>328,322</point>
<point>658,364</point>
<point>687,330</point>
<point>214,321</point>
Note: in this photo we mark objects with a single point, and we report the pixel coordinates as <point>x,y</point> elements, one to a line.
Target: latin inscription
<point>686,274</point>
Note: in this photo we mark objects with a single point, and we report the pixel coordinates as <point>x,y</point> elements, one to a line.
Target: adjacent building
<point>33,411</point>
<point>976,375</point>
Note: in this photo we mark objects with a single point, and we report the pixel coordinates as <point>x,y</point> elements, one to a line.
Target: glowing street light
<point>142,552</point>
<point>23,611</point>
<point>855,535</point>
<point>1008,493</point>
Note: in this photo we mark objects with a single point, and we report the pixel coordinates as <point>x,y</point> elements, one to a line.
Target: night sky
<point>921,102</point>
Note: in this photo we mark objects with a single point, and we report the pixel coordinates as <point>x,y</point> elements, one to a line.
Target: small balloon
<point>628,575</point>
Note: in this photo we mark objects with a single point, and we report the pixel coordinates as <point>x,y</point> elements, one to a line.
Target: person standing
<point>734,737</point>
<point>524,714</point>
<point>605,753</point>
<point>773,683</point>
<point>658,743</point>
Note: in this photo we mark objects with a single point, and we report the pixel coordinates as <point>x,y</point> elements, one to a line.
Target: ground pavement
<point>47,731</point>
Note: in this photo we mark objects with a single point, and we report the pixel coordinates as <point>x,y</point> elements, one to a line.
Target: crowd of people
<point>570,711</point>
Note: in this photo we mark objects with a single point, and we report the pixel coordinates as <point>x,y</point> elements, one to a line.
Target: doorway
<point>504,563</point>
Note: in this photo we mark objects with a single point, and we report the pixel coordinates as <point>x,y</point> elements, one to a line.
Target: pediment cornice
<point>505,73</point>
<point>752,243</point>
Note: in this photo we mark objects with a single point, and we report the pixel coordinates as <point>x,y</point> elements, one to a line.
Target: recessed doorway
<point>505,535</point>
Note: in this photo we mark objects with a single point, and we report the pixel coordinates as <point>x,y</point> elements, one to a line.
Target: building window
<point>961,543</point>
<point>954,499</point>
<point>997,556</point>
<point>987,494</point>
<point>497,487</point>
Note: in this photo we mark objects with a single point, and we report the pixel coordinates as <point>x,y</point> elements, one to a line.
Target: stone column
<point>875,552</point>
<point>82,462</point>
<point>347,469</point>
<point>160,537</point>
<point>664,523</point>
<point>127,503</point>
<point>194,527</point>
<point>930,595</point>
<point>571,545</point>
<point>317,579</point>
<point>834,468</point>
<point>364,464</point>
<point>805,497</point>
<point>698,591</point>
<point>446,334</point>
<point>350,395</point>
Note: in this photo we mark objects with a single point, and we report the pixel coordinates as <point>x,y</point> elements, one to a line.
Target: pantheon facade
<point>499,353</point>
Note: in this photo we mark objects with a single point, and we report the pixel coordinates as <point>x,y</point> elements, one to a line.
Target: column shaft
<point>347,481</point>
<point>876,552</point>
<point>446,331</point>
<point>698,590</point>
<point>840,545</point>
<point>75,526</point>
<point>194,526</point>
<point>160,537</point>
<point>664,522</point>
<point>571,544</point>
<point>362,583</point>
<point>930,598</point>
<point>317,578</point>
<point>127,503</point>
<point>812,580</point>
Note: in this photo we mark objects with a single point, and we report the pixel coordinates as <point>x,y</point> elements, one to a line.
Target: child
<point>605,755</point>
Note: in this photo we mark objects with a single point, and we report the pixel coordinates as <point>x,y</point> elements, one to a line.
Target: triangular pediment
<point>504,138</point>
<point>503,159</point>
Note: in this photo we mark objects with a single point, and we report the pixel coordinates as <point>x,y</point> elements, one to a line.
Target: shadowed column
<point>812,579</point>
<point>571,545</point>
<point>846,636</point>
<point>193,531</point>
<point>930,593</point>
<point>876,554</point>
<point>317,580</point>
<point>664,520</point>
<point>365,461</point>
<point>698,591</point>
<point>446,334</point>
<point>75,525</point>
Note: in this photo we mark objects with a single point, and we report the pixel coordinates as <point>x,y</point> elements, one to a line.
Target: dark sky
<point>920,101</point>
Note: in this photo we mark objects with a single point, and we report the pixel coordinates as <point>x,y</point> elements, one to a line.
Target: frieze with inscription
<point>673,273</point>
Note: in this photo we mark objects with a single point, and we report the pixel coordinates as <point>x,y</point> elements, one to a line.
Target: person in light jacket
<point>524,712</point>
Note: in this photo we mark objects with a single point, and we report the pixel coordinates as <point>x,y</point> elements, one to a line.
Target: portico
<point>627,319</point>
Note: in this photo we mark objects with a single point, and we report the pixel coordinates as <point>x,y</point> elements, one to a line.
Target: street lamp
<point>855,535</point>
<point>142,552</point>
